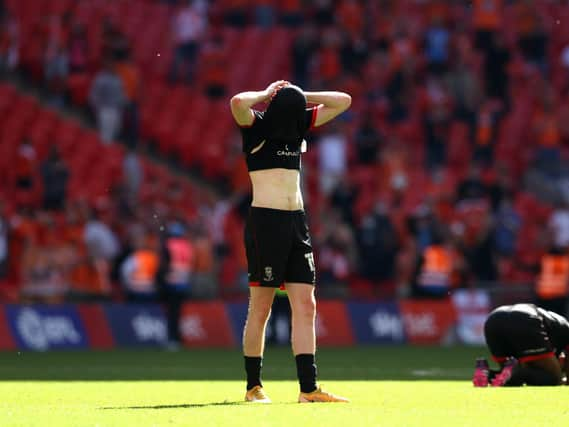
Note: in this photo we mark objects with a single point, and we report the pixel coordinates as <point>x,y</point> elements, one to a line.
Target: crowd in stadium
<point>449,170</point>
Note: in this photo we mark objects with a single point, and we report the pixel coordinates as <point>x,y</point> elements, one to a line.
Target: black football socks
<point>253,367</point>
<point>306,371</point>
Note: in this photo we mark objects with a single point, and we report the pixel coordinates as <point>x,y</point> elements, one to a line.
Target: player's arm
<point>242,103</point>
<point>331,104</point>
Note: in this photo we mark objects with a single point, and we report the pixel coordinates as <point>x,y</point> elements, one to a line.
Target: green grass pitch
<point>389,386</point>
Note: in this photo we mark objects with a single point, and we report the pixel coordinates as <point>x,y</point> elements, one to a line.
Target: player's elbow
<point>236,101</point>
<point>345,101</point>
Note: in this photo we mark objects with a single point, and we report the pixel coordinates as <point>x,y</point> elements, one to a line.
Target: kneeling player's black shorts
<point>278,248</point>
<point>518,334</point>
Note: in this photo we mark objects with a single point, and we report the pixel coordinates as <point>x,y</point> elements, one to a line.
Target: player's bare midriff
<point>276,189</point>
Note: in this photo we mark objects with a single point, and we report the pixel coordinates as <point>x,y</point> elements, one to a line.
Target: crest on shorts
<point>268,274</point>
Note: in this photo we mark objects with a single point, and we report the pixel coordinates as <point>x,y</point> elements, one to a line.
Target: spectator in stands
<point>9,44</point>
<point>78,48</point>
<point>378,243</point>
<point>214,67</point>
<point>129,75</point>
<point>108,99</point>
<point>532,38</point>
<point>332,153</point>
<point>479,250</point>
<point>175,274</point>
<point>25,166</point>
<point>546,130</point>
<point>343,198</point>
<point>487,19</point>
<point>139,271</point>
<point>368,141</point>
<point>101,241</point>
<point>188,29</point>
<point>501,187</point>
<point>328,64</point>
<point>507,225</point>
<point>559,225</point>
<point>437,46</point>
<point>303,49</point>
<point>55,177</point>
<point>115,45</point>
<point>465,90</point>
<point>42,275</point>
<point>354,53</point>
<point>552,281</point>
<point>436,269</point>
<point>291,13</point>
<point>133,174</point>
<point>496,69</point>
<point>423,225</point>
<point>472,187</point>
<point>324,12</point>
<point>56,60</point>
<point>4,229</point>
<point>204,283</point>
<point>485,135</point>
<point>438,112</point>
<point>338,254</point>
<point>265,13</point>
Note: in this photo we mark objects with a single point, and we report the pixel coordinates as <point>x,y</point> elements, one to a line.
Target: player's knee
<point>305,307</point>
<point>259,315</point>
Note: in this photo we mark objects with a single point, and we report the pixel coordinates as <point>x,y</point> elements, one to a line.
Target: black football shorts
<point>278,248</point>
<point>519,334</point>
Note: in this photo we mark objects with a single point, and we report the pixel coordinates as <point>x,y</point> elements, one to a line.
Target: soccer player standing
<point>277,240</point>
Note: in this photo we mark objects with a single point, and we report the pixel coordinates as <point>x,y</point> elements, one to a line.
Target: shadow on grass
<point>180,406</point>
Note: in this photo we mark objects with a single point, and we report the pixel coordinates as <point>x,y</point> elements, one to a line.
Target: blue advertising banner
<point>237,316</point>
<point>137,324</point>
<point>376,323</point>
<point>41,328</point>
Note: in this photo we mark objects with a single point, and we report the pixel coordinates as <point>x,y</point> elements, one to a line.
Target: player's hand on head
<point>274,87</point>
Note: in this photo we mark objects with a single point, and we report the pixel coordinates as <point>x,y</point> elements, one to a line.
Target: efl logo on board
<point>43,328</point>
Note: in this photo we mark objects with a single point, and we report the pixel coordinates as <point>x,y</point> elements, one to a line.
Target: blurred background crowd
<point>121,173</point>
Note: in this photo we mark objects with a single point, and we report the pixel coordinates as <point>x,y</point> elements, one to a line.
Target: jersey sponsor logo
<point>268,274</point>
<point>288,153</point>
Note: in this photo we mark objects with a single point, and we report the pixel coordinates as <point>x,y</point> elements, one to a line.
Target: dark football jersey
<point>262,153</point>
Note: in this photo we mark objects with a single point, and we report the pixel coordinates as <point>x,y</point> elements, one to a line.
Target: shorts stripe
<point>258,285</point>
<point>499,359</point>
<point>536,357</point>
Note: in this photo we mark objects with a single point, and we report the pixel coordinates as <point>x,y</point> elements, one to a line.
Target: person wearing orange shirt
<point>139,272</point>
<point>129,75</point>
<point>487,18</point>
<point>552,282</point>
<point>214,67</point>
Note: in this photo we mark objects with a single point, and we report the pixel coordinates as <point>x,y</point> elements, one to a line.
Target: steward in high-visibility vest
<point>552,283</point>
<point>138,273</point>
<point>176,266</point>
<point>435,270</point>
